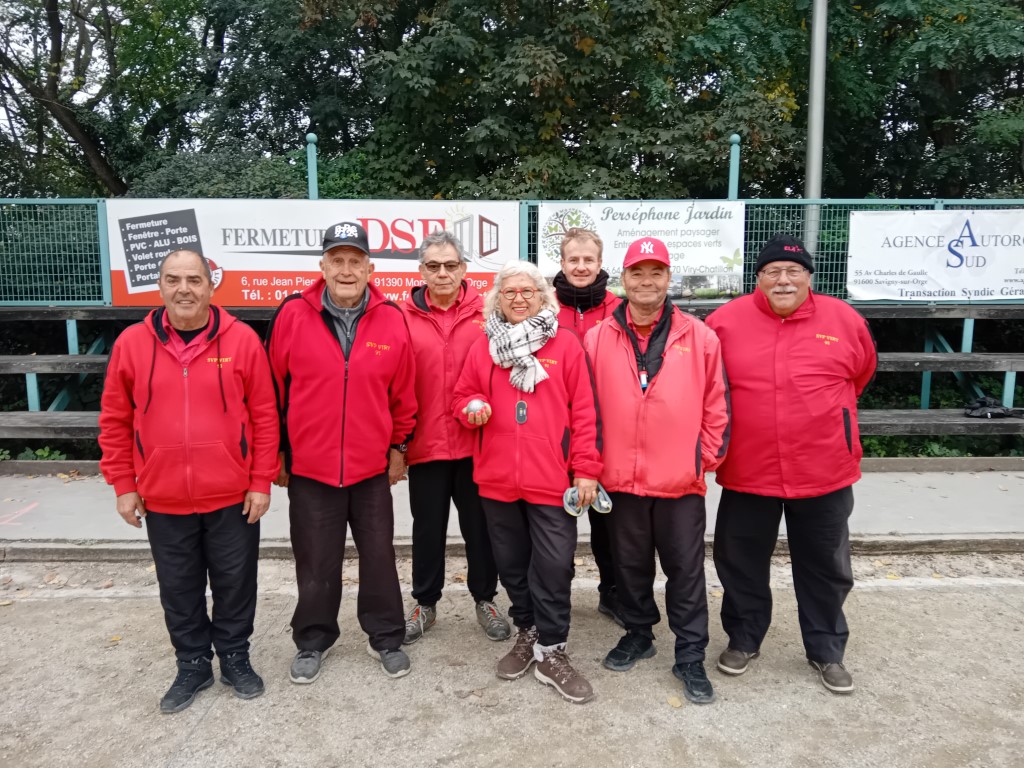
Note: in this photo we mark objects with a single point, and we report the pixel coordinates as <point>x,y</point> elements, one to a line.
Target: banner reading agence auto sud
<point>975,255</point>
<point>262,251</point>
<point>704,239</point>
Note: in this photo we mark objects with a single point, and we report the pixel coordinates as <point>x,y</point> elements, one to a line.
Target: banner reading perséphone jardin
<point>262,251</point>
<point>704,239</point>
<point>975,255</point>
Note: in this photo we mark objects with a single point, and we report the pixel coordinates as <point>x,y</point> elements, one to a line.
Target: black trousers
<point>819,545</point>
<point>534,545</point>
<point>189,549</point>
<point>601,546</point>
<point>319,515</point>
<point>674,528</point>
<point>433,486</point>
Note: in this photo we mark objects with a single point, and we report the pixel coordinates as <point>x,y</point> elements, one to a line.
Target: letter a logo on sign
<point>647,247</point>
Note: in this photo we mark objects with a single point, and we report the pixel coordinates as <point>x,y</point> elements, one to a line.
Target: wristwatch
<point>400,447</point>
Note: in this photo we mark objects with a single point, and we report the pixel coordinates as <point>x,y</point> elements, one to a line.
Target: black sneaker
<point>632,647</point>
<point>193,677</point>
<point>608,604</point>
<point>696,686</point>
<point>236,671</point>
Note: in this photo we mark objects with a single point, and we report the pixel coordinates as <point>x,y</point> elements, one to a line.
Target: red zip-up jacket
<point>660,442</point>
<point>795,383</point>
<point>192,427</point>
<point>340,416</point>
<point>580,323</point>
<point>561,437</point>
<point>440,356</point>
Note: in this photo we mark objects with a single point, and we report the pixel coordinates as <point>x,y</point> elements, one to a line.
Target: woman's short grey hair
<point>548,298</point>
<point>442,237</point>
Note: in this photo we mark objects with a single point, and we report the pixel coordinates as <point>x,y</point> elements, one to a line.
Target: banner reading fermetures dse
<point>973,255</point>
<point>262,251</point>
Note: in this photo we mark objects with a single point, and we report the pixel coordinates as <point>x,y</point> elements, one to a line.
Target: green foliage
<point>5,455</point>
<point>41,454</point>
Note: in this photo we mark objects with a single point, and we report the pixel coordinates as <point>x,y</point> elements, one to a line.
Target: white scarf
<point>512,346</point>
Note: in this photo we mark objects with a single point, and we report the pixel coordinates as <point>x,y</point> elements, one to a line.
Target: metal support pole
<point>1009,384</point>
<point>734,166</point>
<point>312,183</point>
<point>815,121</point>
<point>72,326</point>
<point>32,391</point>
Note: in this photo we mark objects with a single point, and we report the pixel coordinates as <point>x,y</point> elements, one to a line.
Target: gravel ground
<point>84,658</point>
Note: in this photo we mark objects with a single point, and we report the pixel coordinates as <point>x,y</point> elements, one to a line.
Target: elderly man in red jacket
<point>665,403</point>
<point>188,428</point>
<point>344,370</point>
<point>445,320</point>
<point>797,362</point>
<point>585,303</point>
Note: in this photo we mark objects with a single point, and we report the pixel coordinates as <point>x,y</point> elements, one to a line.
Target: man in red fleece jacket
<point>188,428</point>
<point>345,377</point>
<point>797,362</point>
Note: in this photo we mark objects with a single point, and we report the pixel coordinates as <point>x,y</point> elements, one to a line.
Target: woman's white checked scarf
<point>512,346</point>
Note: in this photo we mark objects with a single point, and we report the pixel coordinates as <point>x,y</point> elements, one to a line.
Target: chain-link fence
<point>50,252</point>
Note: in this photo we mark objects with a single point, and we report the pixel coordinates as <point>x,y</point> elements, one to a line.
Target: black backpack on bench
<point>990,408</point>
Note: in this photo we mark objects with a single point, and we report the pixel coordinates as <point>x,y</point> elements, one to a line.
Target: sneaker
<point>193,677</point>
<point>394,663</point>
<point>518,661</point>
<point>557,671</point>
<point>306,666</point>
<point>734,662</point>
<point>236,671</point>
<point>833,676</point>
<point>420,619</point>
<point>608,604</point>
<point>696,686</point>
<point>632,647</point>
<point>495,625</point>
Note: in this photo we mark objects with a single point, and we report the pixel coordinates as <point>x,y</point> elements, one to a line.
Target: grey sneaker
<point>518,661</point>
<point>420,619</point>
<point>495,625</point>
<point>394,663</point>
<point>833,676</point>
<point>306,666</point>
<point>734,662</point>
<point>556,670</point>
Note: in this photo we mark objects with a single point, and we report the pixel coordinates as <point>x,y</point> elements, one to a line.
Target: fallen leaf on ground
<point>6,580</point>
<point>578,561</point>
<point>1003,488</point>
<point>50,577</point>
<point>152,568</point>
<point>892,576</point>
<point>115,639</point>
<point>5,603</point>
<point>675,701</point>
<point>716,593</point>
<point>459,577</point>
<point>938,576</point>
<point>107,584</point>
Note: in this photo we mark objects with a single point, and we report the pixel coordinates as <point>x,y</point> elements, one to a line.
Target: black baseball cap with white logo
<point>346,233</point>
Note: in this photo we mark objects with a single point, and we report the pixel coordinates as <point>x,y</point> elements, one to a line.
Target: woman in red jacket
<point>527,388</point>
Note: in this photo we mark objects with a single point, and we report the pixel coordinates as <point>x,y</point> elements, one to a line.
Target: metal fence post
<point>311,176</point>
<point>734,166</point>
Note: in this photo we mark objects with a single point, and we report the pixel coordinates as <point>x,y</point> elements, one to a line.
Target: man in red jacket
<point>797,362</point>
<point>665,403</point>
<point>445,320</point>
<point>188,428</point>
<point>344,371</point>
<point>585,303</point>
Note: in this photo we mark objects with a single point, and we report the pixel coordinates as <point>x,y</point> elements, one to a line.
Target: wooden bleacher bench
<point>949,361</point>
<point>53,363</point>
<point>933,421</point>
<point>56,425</point>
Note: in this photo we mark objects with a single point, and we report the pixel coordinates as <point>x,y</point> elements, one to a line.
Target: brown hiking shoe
<point>558,672</point>
<point>516,662</point>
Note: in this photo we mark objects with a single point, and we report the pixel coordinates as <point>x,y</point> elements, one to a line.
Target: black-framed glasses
<point>433,267</point>
<point>509,294</point>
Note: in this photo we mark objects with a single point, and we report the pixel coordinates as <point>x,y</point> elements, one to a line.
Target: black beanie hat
<point>784,248</point>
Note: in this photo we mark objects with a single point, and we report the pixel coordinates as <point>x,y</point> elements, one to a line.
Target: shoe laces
<point>416,618</point>
<point>560,666</point>
<point>306,655</point>
<point>525,638</point>
<point>239,664</point>
<point>694,671</point>
<point>491,611</point>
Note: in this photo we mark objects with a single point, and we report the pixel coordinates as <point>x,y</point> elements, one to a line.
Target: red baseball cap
<point>647,249</point>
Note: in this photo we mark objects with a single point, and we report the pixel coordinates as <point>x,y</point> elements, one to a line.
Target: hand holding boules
<point>477,412</point>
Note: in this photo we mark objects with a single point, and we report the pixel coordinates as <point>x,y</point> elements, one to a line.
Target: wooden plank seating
<point>933,421</point>
<point>53,363</point>
<point>70,425</point>
<point>949,361</point>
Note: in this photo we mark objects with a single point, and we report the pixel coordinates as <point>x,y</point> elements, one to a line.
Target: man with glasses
<point>797,362</point>
<point>445,320</point>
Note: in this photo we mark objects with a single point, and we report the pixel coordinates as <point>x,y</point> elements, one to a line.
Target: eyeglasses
<point>791,272</point>
<point>433,267</point>
<point>509,294</point>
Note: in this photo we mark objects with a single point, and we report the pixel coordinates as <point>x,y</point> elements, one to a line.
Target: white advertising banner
<point>262,251</point>
<point>975,255</point>
<point>705,240</point>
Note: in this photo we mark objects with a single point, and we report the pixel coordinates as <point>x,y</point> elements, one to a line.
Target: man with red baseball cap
<point>664,397</point>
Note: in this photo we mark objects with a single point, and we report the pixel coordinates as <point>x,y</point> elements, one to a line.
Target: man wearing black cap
<point>344,371</point>
<point>797,362</point>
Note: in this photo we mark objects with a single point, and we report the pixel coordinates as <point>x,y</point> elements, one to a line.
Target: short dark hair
<point>202,261</point>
